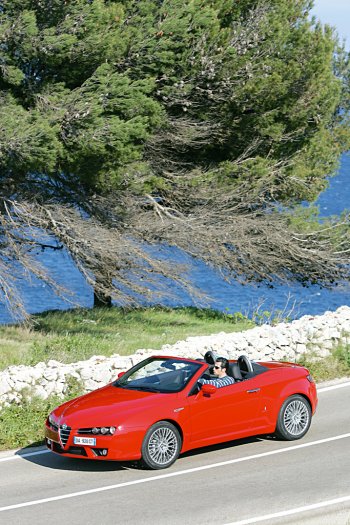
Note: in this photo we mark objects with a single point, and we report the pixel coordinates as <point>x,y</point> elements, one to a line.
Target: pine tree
<point>195,124</point>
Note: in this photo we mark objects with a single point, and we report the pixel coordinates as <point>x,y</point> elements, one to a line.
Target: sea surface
<point>287,300</point>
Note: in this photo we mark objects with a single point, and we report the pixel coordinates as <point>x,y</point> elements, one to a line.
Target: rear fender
<point>299,387</point>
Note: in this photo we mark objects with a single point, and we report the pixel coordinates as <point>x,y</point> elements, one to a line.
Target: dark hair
<point>224,362</point>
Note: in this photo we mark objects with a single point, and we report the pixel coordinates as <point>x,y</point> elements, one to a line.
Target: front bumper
<point>122,446</point>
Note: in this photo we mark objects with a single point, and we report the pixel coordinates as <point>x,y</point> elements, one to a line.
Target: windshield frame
<point>160,381</point>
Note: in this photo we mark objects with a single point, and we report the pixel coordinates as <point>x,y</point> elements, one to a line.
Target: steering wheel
<point>244,364</point>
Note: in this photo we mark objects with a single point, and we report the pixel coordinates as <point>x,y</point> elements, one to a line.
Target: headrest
<point>235,372</point>
<point>209,357</point>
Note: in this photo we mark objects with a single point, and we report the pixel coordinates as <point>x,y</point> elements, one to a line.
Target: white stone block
<point>52,363</point>
<point>4,386</point>
<point>301,348</point>
<point>91,385</point>
<point>51,374</point>
<point>41,392</point>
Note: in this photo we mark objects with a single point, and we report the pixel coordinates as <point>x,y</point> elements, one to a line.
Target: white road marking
<point>172,474</point>
<point>290,512</point>
<point>26,455</point>
<point>333,387</point>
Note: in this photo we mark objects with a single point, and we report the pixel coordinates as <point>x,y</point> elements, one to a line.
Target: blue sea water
<point>292,299</point>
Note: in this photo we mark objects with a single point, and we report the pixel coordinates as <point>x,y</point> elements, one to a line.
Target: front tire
<point>294,418</point>
<point>161,445</point>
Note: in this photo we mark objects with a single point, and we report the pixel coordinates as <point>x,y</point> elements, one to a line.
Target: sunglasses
<point>217,367</point>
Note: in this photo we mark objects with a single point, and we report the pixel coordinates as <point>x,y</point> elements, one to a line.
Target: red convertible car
<point>157,410</point>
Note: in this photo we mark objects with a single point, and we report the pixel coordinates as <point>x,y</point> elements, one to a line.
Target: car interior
<point>243,369</point>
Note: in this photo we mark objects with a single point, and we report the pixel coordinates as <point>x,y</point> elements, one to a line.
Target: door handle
<point>253,391</point>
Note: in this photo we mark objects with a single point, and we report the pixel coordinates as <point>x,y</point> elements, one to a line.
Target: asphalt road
<point>258,480</point>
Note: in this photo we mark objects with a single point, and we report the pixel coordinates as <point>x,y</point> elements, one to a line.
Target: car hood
<point>105,406</point>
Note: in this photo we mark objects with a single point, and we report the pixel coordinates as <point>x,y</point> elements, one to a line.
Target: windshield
<point>159,375</point>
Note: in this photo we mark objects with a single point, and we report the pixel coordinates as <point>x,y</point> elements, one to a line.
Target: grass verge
<point>79,334</point>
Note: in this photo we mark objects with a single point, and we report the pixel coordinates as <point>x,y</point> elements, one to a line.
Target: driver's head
<point>221,366</point>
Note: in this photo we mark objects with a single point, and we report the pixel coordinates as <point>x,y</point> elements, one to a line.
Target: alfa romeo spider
<point>157,410</point>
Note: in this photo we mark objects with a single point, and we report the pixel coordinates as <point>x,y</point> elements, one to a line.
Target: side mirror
<point>208,390</point>
<point>120,374</point>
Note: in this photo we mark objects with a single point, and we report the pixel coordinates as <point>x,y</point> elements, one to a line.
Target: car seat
<point>235,372</point>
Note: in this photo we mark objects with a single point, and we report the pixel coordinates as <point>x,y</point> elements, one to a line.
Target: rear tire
<point>294,418</point>
<point>161,446</point>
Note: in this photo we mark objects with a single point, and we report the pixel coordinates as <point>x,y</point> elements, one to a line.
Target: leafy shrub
<point>343,354</point>
<point>23,425</point>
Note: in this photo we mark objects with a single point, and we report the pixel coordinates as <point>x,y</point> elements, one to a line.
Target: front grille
<point>64,432</point>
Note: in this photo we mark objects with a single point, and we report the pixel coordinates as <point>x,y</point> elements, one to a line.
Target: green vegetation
<point>138,124</point>
<point>79,334</point>
<point>335,366</point>
<point>22,425</point>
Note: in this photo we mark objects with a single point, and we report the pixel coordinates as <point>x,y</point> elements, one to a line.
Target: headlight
<point>99,430</point>
<point>310,378</point>
<point>52,420</point>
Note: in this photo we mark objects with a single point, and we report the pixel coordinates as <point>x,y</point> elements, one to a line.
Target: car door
<point>232,411</point>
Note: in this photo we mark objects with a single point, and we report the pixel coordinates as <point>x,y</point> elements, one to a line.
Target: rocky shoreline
<point>315,335</point>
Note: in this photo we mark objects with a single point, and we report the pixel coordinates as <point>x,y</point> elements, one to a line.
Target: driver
<point>221,379</point>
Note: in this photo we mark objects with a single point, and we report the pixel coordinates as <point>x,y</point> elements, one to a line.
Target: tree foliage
<point>131,124</point>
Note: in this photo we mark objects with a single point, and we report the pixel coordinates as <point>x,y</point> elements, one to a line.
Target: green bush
<point>331,367</point>
<point>23,425</point>
<point>343,354</point>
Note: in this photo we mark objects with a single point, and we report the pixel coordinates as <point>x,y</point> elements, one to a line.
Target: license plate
<point>84,441</point>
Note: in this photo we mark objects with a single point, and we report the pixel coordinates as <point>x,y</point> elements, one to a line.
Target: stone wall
<point>286,341</point>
